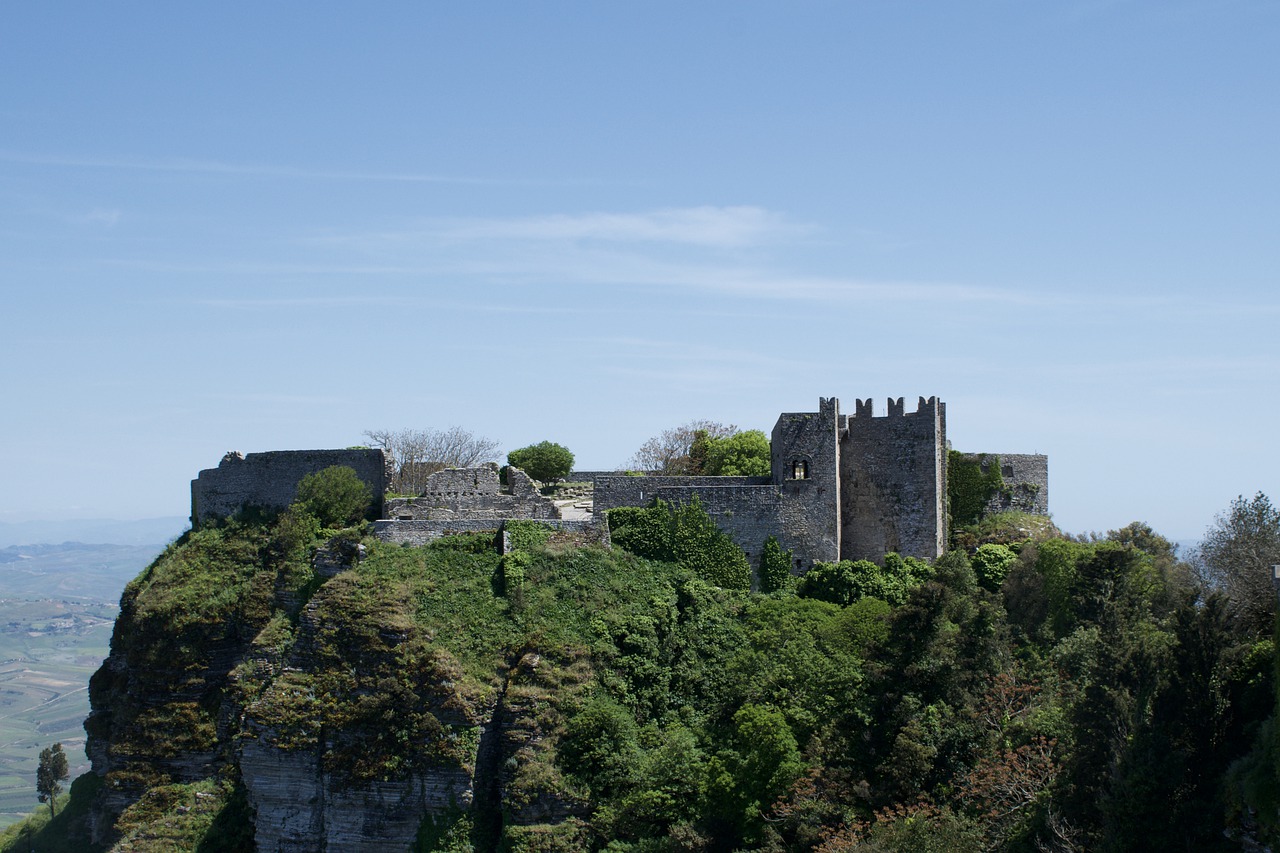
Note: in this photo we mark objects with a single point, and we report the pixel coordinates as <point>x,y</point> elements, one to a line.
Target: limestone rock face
<point>306,685</point>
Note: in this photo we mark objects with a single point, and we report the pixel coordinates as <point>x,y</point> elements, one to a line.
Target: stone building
<point>843,486</point>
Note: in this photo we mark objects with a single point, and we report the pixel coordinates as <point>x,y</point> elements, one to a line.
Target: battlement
<point>897,408</point>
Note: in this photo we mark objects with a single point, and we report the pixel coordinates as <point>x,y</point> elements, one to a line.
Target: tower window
<point>800,469</point>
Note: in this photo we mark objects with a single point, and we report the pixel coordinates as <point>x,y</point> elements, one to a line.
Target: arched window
<point>800,469</point>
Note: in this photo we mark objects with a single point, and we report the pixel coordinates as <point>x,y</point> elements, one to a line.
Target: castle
<point>842,487</point>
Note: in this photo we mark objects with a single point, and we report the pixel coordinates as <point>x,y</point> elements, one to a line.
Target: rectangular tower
<point>893,481</point>
<point>805,451</point>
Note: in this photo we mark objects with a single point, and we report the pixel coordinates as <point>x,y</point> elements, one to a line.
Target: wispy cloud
<point>214,167</point>
<point>695,226</point>
<point>99,216</point>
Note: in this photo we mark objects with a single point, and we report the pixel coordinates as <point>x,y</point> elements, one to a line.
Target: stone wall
<point>893,473</point>
<point>422,531</point>
<point>805,463</point>
<point>748,514</point>
<point>458,493</point>
<point>1026,481</point>
<point>617,490</point>
<point>270,480</point>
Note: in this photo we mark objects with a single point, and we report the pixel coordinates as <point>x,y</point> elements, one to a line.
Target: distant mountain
<point>103,531</point>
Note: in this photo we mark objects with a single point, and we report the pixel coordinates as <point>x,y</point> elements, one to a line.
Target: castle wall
<point>422,531</point>
<point>270,480</point>
<point>457,493</point>
<point>893,477</point>
<point>1026,480</point>
<point>617,490</point>
<point>805,450</point>
<point>748,514</point>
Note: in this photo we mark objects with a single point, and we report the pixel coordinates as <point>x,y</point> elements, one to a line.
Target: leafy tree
<point>670,451</point>
<point>775,566</point>
<point>53,770</point>
<point>336,496</point>
<point>683,534</point>
<point>417,454</point>
<point>991,563</point>
<point>544,461</point>
<point>849,580</point>
<point>1236,556</point>
<point>742,454</point>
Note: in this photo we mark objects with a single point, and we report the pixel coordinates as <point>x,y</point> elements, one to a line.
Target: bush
<point>775,566</point>
<point>544,461</point>
<point>849,580</point>
<point>683,534</point>
<point>336,496</point>
<point>991,563</point>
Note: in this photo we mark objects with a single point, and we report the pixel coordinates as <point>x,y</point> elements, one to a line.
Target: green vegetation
<point>50,775</point>
<point>1036,693</point>
<point>544,461</point>
<point>775,566</point>
<point>741,454</point>
<point>683,534</point>
<point>335,496</point>
<point>969,487</point>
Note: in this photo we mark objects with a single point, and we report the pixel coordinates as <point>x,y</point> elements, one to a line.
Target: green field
<point>48,650</point>
<point>57,607</point>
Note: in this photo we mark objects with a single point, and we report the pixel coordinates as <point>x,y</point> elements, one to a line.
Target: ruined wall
<point>618,490</point>
<point>893,473</point>
<point>805,450</point>
<point>422,531</point>
<point>270,480</point>
<point>457,493</point>
<point>1026,482</point>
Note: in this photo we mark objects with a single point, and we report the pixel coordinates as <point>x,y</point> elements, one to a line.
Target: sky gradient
<point>259,227</point>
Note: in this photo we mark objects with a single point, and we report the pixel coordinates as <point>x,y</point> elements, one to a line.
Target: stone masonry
<point>843,487</point>
<point>270,480</point>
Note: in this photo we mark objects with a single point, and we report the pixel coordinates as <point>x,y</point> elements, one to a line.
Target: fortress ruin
<point>842,487</point>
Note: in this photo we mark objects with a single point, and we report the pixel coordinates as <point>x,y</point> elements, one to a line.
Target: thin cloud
<point>695,226</point>
<point>213,167</point>
<point>99,216</point>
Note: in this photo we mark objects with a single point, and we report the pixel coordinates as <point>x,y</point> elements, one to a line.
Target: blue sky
<point>270,226</point>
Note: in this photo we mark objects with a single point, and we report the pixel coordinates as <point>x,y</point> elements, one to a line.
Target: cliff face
<point>351,708</point>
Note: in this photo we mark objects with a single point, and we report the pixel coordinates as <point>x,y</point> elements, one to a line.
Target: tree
<point>417,454</point>
<point>669,451</point>
<point>775,566</point>
<point>743,454</point>
<point>50,774</point>
<point>544,461</point>
<point>1236,556</point>
<point>336,496</point>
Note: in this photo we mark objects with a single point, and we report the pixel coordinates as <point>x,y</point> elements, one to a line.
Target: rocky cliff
<point>339,695</point>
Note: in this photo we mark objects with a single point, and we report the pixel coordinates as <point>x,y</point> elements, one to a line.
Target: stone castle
<point>843,487</point>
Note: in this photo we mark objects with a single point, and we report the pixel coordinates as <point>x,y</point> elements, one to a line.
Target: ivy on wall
<point>969,488</point>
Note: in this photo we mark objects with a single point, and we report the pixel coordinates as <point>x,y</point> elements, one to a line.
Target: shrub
<point>683,534</point>
<point>775,566</point>
<point>991,563</point>
<point>544,461</point>
<point>336,496</point>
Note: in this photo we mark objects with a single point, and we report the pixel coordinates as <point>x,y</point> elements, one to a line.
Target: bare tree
<point>417,454</point>
<point>1236,556</point>
<point>668,452</point>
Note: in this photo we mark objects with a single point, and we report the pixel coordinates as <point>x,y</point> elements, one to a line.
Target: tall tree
<point>1236,556</point>
<point>669,451</point>
<point>50,774</point>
